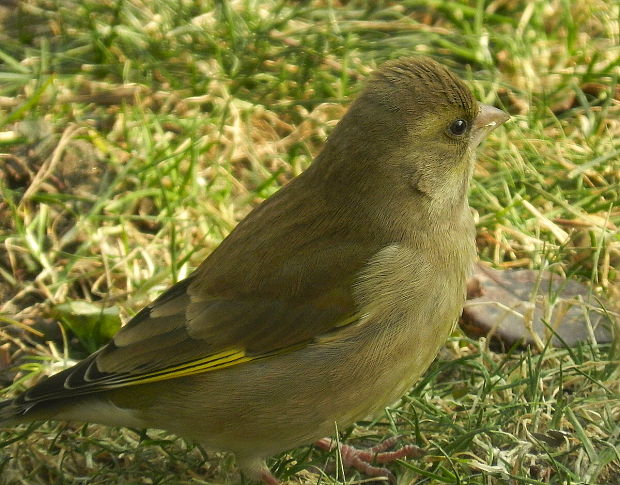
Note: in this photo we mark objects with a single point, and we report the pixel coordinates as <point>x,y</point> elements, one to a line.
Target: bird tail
<point>15,411</point>
<point>10,413</point>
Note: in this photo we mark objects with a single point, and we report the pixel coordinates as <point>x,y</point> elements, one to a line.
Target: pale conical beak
<point>487,120</point>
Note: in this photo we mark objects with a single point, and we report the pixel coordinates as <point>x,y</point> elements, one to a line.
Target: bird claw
<point>361,459</point>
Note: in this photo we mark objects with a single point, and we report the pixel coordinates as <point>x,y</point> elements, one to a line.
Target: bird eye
<point>458,127</point>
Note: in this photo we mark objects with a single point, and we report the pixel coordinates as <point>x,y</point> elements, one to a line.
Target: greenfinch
<point>322,306</point>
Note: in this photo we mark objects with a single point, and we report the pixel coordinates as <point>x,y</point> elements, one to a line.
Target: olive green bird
<point>322,306</point>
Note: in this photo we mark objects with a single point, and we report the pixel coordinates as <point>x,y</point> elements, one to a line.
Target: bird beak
<point>487,120</point>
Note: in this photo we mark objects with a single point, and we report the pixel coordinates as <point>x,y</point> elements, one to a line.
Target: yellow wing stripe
<point>217,361</point>
<point>348,321</point>
<point>220,360</point>
<point>213,362</point>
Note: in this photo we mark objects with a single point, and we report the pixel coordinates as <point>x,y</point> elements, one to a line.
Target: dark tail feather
<point>9,413</point>
<point>13,413</point>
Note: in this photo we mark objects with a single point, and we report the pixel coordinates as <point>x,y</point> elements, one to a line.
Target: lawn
<point>135,134</point>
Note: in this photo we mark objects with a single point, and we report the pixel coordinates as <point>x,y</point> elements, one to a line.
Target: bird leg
<point>268,479</point>
<point>361,459</point>
<point>256,470</point>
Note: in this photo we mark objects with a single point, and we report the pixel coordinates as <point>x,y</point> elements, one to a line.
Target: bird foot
<point>361,459</point>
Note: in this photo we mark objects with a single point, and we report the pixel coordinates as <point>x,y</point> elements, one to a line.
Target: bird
<point>321,307</point>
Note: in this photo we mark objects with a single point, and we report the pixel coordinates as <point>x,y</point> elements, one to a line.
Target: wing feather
<point>274,285</point>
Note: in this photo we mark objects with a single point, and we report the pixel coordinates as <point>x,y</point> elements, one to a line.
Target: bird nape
<point>323,306</point>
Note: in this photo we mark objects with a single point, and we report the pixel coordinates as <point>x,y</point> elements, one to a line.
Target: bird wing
<point>260,293</point>
<point>160,342</point>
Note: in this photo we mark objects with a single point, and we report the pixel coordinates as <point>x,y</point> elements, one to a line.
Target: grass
<point>134,135</point>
